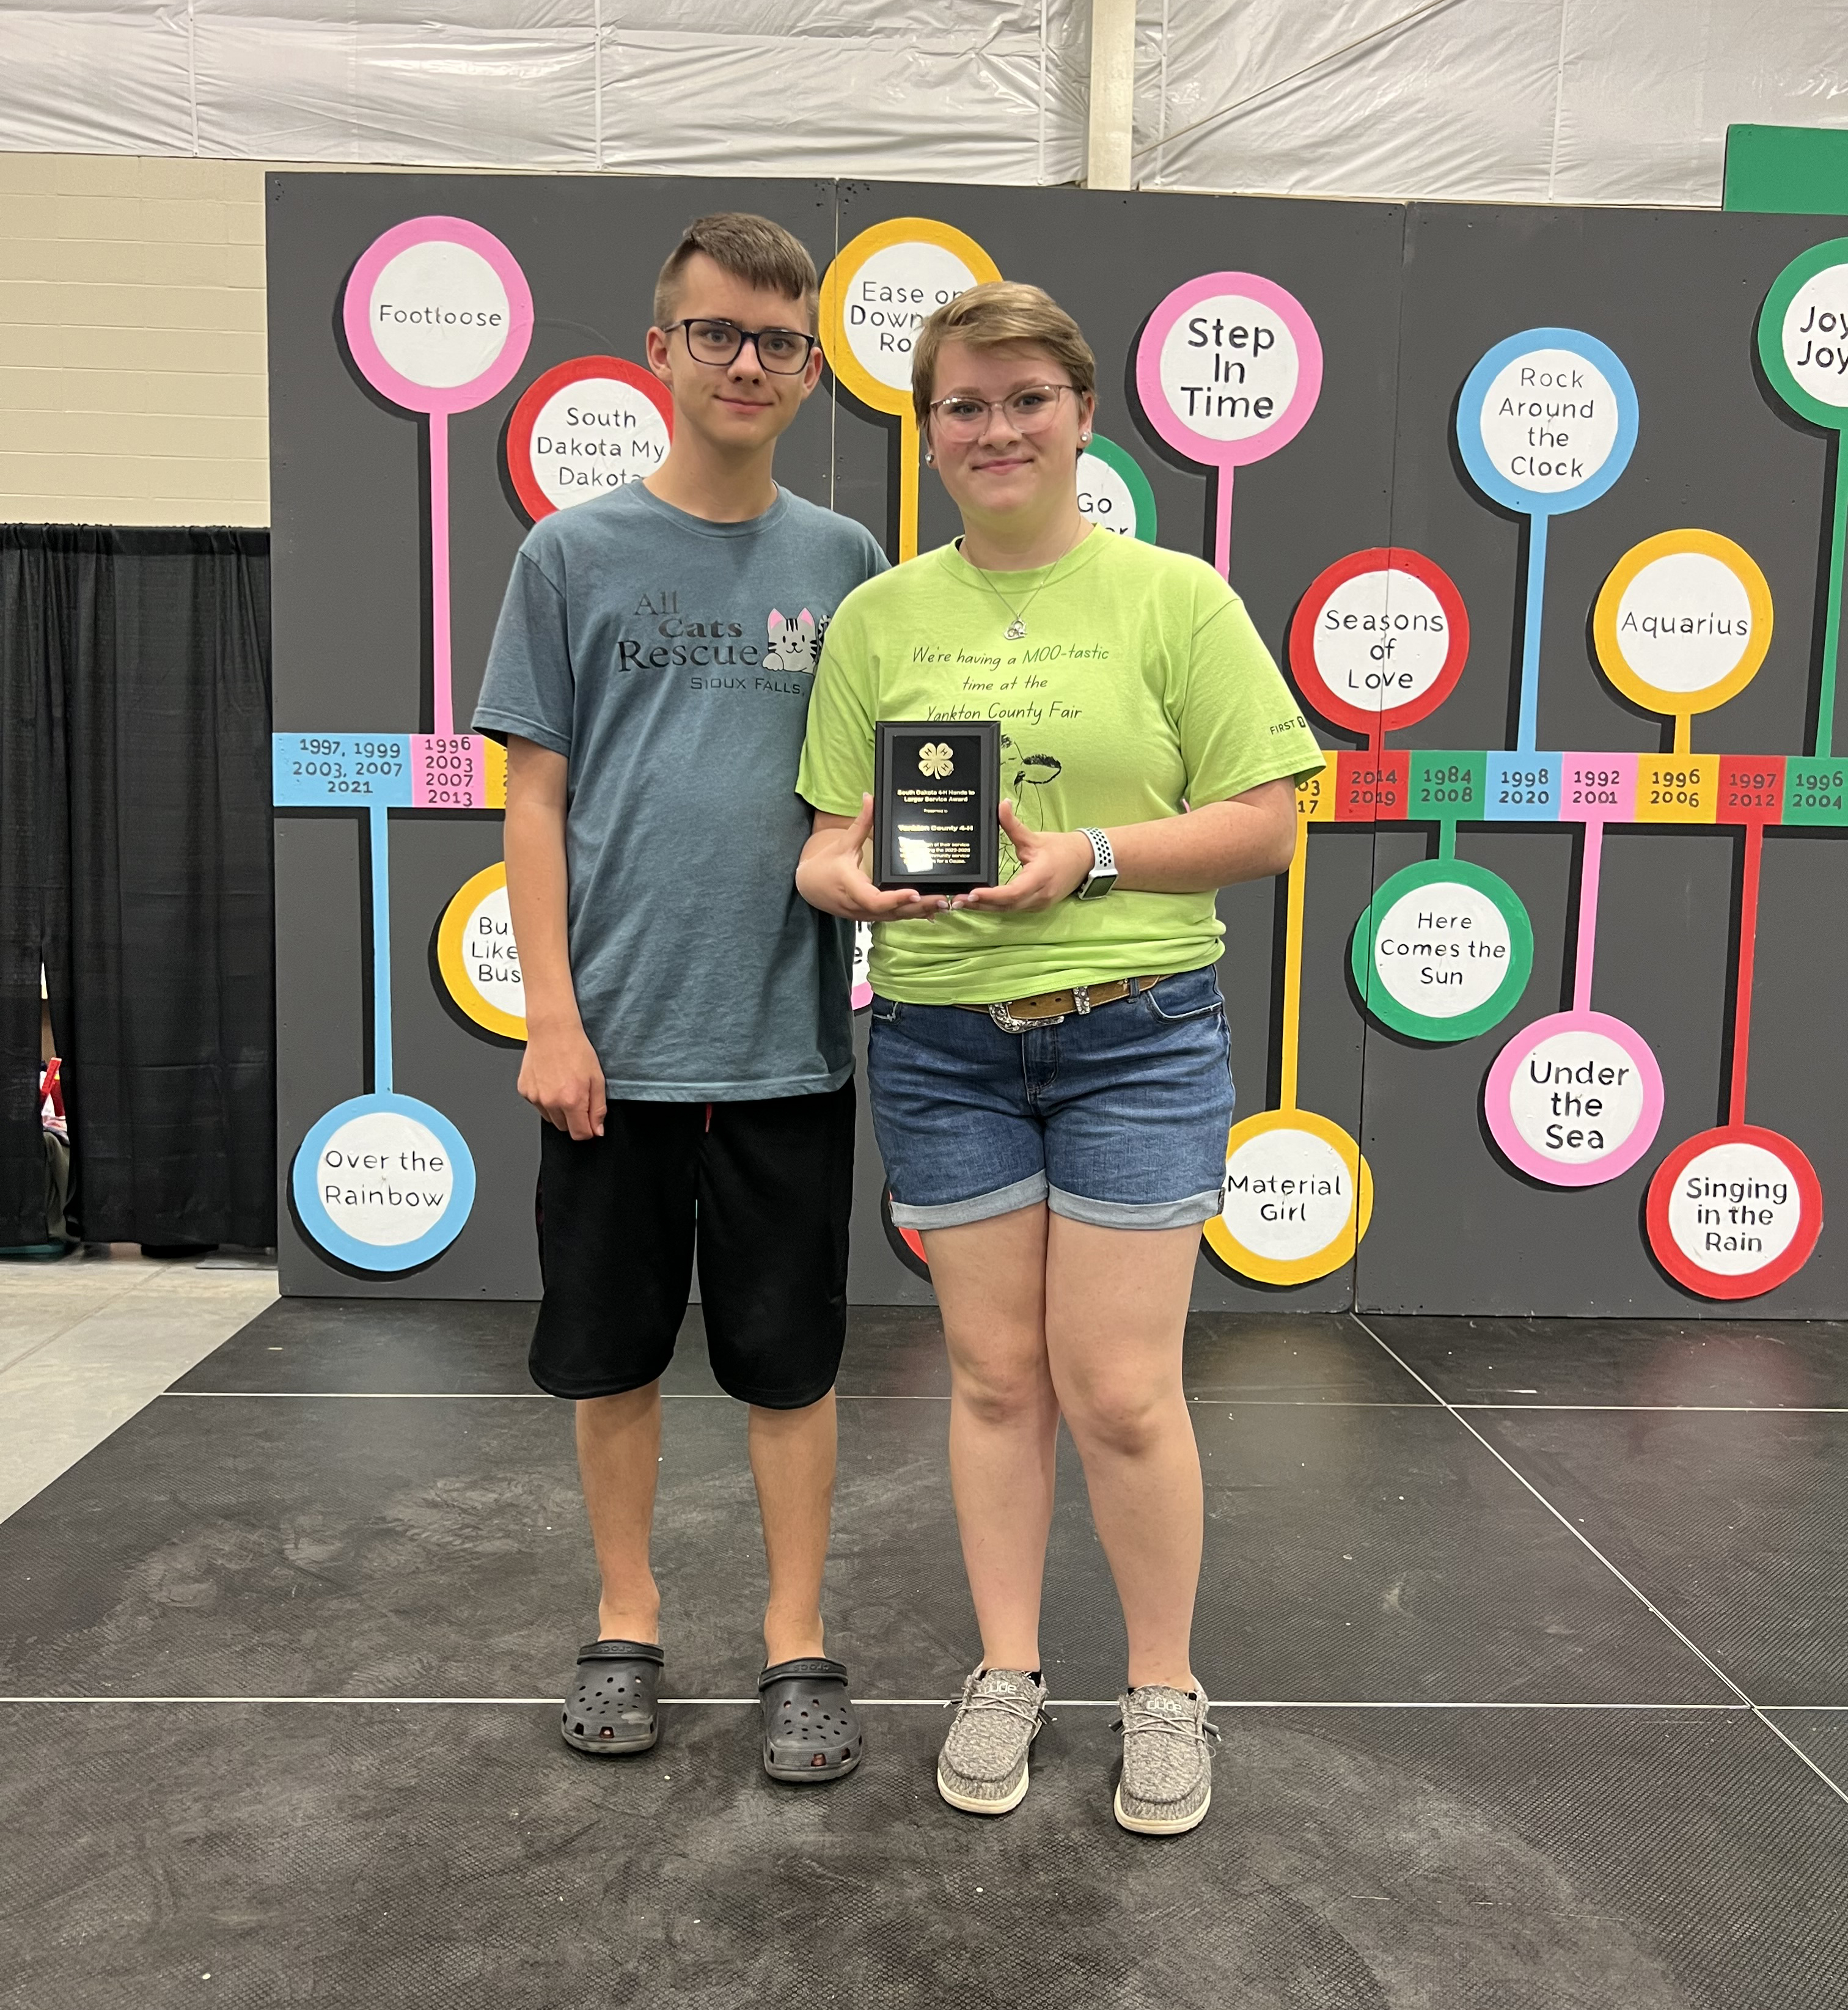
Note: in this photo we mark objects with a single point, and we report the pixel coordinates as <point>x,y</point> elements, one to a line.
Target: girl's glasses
<point>1030,410</point>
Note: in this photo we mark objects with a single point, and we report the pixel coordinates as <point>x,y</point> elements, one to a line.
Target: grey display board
<point>1403,303</point>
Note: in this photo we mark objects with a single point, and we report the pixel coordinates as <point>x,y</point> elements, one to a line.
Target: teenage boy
<point>688,1031</point>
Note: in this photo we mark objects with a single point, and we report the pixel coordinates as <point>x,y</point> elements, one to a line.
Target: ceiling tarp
<point>1476,100</point>
<point>969,91</point>
<point>1568,100</point>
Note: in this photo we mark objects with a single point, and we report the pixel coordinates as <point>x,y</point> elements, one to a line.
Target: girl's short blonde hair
<point>987,316</point>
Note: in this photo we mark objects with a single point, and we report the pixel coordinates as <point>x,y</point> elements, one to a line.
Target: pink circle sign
<point>438,314</point>
<point>1228,370</point>
<point>1574,1099</point>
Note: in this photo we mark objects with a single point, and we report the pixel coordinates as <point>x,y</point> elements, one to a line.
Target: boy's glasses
<point>1031,411</point>
<point>782,351</point>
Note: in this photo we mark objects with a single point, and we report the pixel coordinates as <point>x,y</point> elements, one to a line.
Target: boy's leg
<point>776,1186</point>
<point>616,1248</point>
<point>792,1460</point>
<point>619,1454</point>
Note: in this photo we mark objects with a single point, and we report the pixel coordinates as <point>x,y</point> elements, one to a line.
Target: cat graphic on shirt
<point>794,642</point>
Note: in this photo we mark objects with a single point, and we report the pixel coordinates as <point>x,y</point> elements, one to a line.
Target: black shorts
<point>773,1184</point>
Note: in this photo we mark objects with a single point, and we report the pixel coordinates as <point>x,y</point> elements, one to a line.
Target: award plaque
<point>936,794</point>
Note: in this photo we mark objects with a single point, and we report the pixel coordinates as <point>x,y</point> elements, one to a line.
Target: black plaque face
<point>936,795</point>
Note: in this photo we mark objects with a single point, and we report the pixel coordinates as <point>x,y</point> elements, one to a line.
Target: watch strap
<point>1102,874</point>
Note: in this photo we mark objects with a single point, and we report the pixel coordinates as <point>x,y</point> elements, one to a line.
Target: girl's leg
<point>1116,1306</point>
<point>990,1277</point>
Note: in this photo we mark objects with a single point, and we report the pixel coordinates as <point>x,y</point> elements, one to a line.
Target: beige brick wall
<point>133,384</point>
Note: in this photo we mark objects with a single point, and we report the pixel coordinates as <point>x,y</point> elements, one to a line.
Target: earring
<point>929,458</point>
<point>1084,439</point>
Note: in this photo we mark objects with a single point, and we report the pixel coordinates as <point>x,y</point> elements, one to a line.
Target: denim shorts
<point>1118,1116</point>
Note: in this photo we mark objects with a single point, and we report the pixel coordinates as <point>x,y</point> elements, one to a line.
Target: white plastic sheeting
<point>1512,100</point>
<point>1570,101</point>
<point>973,90</point>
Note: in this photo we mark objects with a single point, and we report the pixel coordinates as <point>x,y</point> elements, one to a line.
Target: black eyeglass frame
<point>744,335</point>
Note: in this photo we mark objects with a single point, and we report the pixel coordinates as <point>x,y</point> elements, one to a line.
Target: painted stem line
<point>379,860</point>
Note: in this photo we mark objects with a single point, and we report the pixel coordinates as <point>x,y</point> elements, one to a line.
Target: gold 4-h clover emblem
<point>935,760</point>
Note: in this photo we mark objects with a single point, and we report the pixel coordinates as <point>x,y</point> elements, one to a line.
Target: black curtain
<point>135,850</point>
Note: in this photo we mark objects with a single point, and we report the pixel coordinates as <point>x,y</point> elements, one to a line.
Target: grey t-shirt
<point>670,660</point>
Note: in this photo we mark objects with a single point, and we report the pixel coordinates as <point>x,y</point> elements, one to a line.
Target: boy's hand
<point>563,1079</point>
<point>831,877</point>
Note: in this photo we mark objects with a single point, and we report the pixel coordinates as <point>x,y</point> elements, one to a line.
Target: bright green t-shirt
<point>1141,688</point>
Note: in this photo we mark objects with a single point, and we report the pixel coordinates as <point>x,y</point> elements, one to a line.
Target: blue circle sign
<point>383,1182</point>
<point>1547,421</point>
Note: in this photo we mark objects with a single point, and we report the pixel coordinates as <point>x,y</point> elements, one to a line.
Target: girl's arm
<point>1250,837</point>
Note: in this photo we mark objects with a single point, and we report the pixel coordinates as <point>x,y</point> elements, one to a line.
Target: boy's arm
<point>561,1076</point>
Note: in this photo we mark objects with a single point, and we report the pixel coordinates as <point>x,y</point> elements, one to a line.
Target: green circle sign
<point>1443,950</point>
<point>1803,335</point>
<point>1113,491</point>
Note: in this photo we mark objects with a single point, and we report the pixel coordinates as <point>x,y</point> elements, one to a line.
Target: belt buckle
<point>1008,1024</point>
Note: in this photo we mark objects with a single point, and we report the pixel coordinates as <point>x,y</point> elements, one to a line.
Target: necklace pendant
<point>1016,630</point>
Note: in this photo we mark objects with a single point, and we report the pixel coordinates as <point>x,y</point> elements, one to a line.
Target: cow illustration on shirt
<point>1022,775</point>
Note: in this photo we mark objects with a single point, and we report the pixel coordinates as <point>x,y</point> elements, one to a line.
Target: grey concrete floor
<point>1525,1640</point>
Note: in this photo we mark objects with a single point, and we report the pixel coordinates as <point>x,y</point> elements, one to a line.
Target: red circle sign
<point>563,449</point>
<point>1735,1212</point>
<point>1379,640</point>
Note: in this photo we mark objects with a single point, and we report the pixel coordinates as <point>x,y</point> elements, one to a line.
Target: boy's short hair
<point>751,248</point>
<point>987,316</point>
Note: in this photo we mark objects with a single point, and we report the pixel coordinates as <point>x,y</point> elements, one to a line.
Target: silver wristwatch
<point>1102,874</point>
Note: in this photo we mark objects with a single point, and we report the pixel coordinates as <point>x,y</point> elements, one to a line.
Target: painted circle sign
<point>383,1182</point>
<point>1379,640</point>
<point>476,954</point>
<point>1803,334</point>
<point>878,293</point>
<point>1574,1099</point>
<point>1683,622</point>
<point>438,314</point>
<point>584,428</point>
<point>1297,1199</point>
<point>1547,421</point>
<point>1443,950</point>
<point>1734,1212</point>
<point>1113,492</point>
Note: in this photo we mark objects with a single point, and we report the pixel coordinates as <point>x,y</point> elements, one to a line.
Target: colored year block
<point>1815,790</point>
<point>1447,788</point>
<point>1677,788</point>
<point>1522,788</point>
<point>495,758</point>
<point>351,770</point>
<point>1371,788</point>
<point>449,772</point>
<point>1315,797</point>
<point>1598,788</point>
<point>1751,788</point>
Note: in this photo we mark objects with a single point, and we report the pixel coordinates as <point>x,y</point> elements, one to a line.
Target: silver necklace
<point>1016,630</point>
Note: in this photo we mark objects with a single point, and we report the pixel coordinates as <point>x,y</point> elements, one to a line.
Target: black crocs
<point>611,1705</point>
<point>810,1731</point>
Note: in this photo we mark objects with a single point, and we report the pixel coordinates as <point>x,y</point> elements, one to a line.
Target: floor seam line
<point>1634,1590</point>
<point>870,1702</point>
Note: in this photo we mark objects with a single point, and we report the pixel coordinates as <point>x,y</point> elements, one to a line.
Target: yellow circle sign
<point>874,299</point>
<point>1682,624</point>
<point>1299,1197</point>
<point>476,954</point>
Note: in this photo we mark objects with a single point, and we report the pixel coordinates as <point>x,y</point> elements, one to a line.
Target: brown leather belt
<point>1046,1008</point>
